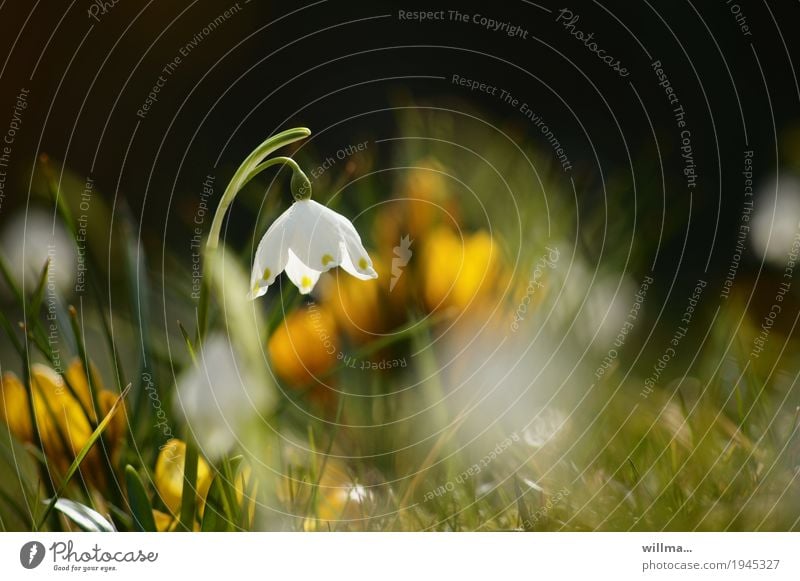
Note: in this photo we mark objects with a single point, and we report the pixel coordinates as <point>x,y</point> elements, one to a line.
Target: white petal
<point>307,240</point>
<point>303,276</point>
<point>271,254</point>
<point>315,236</point>
<point>355,259</point>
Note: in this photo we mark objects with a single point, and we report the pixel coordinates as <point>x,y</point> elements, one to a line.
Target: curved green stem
<point>246,171</point>
<point>249,168</point>
<point>297,174</point>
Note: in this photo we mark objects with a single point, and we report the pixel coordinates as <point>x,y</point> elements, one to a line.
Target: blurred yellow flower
<point>423,203</point>
<point>76,377</point>
<point>428,200</point>
<point>305,345</point>
<point>15,410</point>
<point>164,522</point>
<point>63,421</point>
<point>169,476</point>
<point>458,272</point>
<point>363,309</point>
<point>169,485</point>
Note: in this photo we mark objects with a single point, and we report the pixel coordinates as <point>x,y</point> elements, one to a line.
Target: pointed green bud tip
<point>301,185</point>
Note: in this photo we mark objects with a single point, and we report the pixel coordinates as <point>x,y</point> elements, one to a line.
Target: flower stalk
<point>253,165</point>
<point>250,167</point>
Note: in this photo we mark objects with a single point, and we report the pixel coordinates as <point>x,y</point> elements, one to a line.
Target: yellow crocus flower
<point>169,476</point>
<point>164,522</point>
<point>305,345</point>
<point>61,418</point>
<point>459,272</point>
<point>169,484</point>
<point>357,306</point>
<point>14,408</point>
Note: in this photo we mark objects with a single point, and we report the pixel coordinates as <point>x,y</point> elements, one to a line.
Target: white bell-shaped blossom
<point>305,241</point>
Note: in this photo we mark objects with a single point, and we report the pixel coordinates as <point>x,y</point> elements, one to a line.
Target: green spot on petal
<point>267,274</point>
<point>362,263</point>
<point>305,282</point>
<point>326,258</point>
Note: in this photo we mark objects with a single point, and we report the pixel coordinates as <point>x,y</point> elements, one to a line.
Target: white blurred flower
<point>544,427</point>
<point>29,239</point>
<point>218,396</point>
<point>607,305</point>
<point>595,303</point>
<point>776,219</point>
<point>307,240</point>
<point>500,381</point>
<point>569,279</point>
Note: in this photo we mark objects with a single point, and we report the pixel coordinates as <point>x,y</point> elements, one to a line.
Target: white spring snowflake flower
<point>305,241</point>
<point>219,396</point>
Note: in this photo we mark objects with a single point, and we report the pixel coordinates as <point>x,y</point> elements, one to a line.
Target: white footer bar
<point>389,556</point>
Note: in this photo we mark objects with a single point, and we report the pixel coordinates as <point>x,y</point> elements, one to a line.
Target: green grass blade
<point>188,340</point>
<point>16,488</point>
<point>222,510</point>
<point>38,295</point>
<point>93,388</point>
<point>217,515</point>
<point>141,509</point>
<point>12,284</point>
<point>139,298</point>
<point>230,470</point>
<point>12,336</point>
<point>55,195</point>
<point>189,494</point>
<point>76,331</point>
